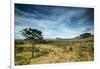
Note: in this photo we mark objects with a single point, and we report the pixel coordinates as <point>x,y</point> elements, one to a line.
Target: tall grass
<point>57,51</point>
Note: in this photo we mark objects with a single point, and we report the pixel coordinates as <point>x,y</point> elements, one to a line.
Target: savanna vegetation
<point>35,50</point>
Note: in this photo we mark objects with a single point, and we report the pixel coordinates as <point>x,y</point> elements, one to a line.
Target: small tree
<point>33,35</point>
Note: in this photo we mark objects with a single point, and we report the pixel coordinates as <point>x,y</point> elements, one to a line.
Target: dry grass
<point>56,52</point>
<point>56,55</point>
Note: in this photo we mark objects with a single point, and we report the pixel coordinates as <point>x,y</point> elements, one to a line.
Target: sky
<point>54,21</point>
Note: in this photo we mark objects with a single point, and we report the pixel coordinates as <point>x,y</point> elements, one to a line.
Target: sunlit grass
<point>55,52</point>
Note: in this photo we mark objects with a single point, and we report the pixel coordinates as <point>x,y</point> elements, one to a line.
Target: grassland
<point>55,51</point>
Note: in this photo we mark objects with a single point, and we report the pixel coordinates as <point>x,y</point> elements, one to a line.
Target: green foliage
<point>19,42</point>
<point>85,53</point>
<point>33,35</point>
<point>85,35</point>
<point>21,60</point>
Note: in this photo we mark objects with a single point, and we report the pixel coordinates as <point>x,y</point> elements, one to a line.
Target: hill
<point>84,35</point>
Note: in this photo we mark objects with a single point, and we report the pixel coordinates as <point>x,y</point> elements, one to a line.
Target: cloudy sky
<point>54,21</point>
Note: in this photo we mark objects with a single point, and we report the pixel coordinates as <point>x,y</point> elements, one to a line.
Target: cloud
<point>65,22</point>
<point>86,29</point>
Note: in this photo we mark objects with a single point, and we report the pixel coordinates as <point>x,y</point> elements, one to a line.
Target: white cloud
<point>55,25</point>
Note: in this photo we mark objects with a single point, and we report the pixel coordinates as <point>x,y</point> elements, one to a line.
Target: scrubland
<point>55,51</point>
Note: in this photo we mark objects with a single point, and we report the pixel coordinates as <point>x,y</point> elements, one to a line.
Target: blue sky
<point>54,21</point>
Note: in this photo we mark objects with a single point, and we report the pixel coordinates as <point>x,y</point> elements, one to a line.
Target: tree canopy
<point>32,34</point>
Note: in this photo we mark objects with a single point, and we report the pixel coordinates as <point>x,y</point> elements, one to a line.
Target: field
<point>55,51</point>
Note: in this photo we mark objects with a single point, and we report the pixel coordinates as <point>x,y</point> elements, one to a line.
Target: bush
<point>21,60</point>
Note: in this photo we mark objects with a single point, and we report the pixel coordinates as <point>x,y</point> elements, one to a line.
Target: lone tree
<point>33,35</point>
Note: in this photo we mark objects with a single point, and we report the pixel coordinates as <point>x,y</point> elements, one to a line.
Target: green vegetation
<point>33,36</point>
<point>54,51</point>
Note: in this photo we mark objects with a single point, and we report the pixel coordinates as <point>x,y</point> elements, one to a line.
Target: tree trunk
<point>33,50</point>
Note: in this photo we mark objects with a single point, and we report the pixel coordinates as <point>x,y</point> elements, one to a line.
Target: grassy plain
<point>55,51</point>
